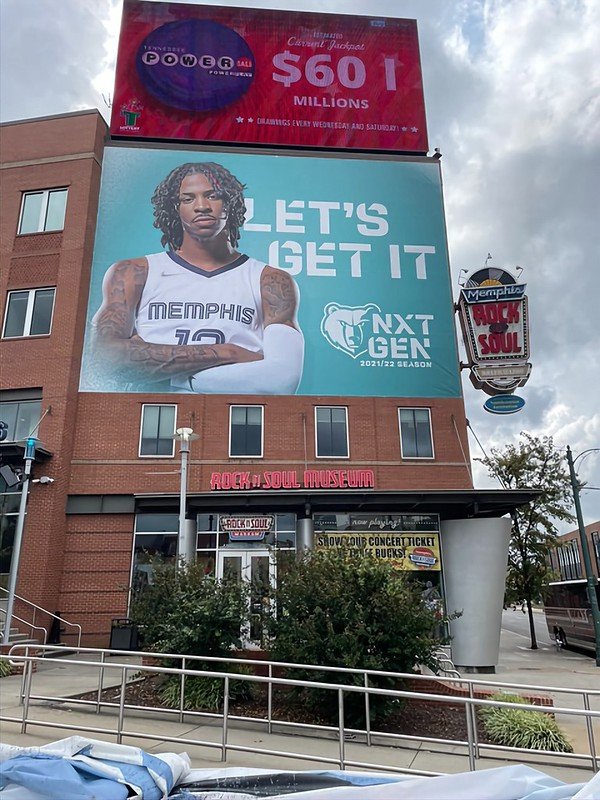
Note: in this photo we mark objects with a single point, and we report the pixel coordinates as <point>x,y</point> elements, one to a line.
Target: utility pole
<point>592,581</point>
<point>16,554</point>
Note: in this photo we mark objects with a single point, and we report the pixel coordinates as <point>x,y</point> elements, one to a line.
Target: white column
<point>475,556</point>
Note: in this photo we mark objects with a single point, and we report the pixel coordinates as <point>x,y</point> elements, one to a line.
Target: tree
<point>185,611</point>
<point>338,610</point>
<point>536,464</point>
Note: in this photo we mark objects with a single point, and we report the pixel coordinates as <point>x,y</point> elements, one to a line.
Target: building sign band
<point>292,479</point>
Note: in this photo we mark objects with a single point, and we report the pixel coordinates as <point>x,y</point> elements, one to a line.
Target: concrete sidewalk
<point>203,738</point>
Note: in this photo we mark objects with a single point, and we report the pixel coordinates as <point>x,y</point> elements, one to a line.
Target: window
<point>18,419</point>
<point>415,433</point>
<point>596,547</point>
<point>28,313</point>
<point>246,431</point>
<point>43,211</point>
<point>332,432</point>
<point>158,429</point>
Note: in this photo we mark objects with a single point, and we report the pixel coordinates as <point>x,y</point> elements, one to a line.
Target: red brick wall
<point>106,448</point>
<point>42,154</point>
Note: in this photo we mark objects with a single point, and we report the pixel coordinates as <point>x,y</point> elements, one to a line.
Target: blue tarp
<point>84,769</point>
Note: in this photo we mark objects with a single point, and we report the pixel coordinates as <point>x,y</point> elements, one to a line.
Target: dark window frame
<point>157,437</point>
<point>19,403</point>
<point>27,322</point>
<point>322,446</point>
<point>403,444</point>
<point>246,425</point>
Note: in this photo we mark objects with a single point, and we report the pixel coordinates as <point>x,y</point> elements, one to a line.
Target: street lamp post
<point>592,581</point>
<point>186,539</point>
<point>16,553</point>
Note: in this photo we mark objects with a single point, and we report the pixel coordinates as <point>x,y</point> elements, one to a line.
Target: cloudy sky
<point>512,94</point>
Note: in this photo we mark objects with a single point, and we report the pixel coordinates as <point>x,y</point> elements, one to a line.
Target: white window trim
<point>43,210</point>
<point>156,405</point>
<point>416,458</point>
<point>328,458</point>
<point>28,313</point>
<point>262,429</point>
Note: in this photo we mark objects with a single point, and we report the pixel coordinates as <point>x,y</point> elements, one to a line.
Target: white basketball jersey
<point>184,304</point>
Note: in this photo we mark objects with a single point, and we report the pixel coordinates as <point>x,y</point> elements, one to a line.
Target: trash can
<point>123,635</point>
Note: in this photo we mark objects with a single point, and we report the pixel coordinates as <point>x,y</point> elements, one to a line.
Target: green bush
<point>184,611</point>
<point>341,611</point>
<point>530,730</point>
<point>205,693</point>
<point>4,668</point>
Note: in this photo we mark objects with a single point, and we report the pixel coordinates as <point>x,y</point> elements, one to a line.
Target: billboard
<point>255,76</point>
<point>356,299</point>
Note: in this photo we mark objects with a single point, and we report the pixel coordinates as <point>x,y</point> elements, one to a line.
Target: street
<point>518,622</point>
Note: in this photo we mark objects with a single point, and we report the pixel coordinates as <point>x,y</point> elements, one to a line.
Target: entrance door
<point>256,567</point>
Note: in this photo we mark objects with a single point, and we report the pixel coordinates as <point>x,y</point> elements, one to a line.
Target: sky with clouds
<point>512,92</point>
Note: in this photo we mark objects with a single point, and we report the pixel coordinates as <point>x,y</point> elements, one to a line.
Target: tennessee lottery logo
<point>344,327</point>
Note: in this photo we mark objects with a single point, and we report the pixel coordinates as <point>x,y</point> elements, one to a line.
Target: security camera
<point>45,479</point>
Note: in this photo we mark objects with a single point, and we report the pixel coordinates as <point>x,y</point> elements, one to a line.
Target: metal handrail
<point>44,611</point>
<point>469,703</point>
<point>28,624</point>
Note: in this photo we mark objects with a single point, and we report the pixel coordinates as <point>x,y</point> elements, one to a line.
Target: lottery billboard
<point>356,300</point>
<point>206,73</point>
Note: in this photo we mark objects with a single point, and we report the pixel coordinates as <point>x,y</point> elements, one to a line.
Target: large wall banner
<point>355,300</point>
<point>209,73</point>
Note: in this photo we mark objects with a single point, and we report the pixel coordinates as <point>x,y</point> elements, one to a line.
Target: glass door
<point>256,567</point>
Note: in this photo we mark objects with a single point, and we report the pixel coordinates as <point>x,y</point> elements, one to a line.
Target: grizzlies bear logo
<point>343,327</point>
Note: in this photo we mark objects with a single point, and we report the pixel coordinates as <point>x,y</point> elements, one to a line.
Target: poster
<point>361,245</point>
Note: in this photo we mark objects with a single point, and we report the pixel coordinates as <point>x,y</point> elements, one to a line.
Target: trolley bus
<point>568,613</point>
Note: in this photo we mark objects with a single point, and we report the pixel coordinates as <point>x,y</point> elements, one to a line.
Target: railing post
<point>182,690</point>
<point>270,701</point>
<point>367,710</point>
<point>470,737</point>
<point>341,728</point>
<point>122,705</point>
<point>473,712</point>
<point>100,681</point>
<point>225,718</point>
<point>23,676</point>
<point>590,729</point>
<point>27,672</point>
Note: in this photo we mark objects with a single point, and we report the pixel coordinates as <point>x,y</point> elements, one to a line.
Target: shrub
<point>5,669</point>
<point>184,611</point>
<point>530,730</point>
<point>205,693</point>
<point>337,610</point>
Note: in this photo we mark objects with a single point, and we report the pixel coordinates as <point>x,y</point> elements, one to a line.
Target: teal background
<point>412,194</point>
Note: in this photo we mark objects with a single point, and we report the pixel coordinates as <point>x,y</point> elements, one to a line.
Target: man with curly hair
<point>200,313</point>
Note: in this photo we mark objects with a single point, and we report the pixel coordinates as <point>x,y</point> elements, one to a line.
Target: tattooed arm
<point>116,337</point>
<point>283,345</point>
<point>279,297</point>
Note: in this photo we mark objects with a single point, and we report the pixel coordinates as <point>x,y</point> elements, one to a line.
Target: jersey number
<point>201,336</point>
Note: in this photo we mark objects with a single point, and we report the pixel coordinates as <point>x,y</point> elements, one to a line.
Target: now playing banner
<point>362,241</point>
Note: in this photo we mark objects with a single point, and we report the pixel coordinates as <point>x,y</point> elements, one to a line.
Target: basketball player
<point>202,314</point>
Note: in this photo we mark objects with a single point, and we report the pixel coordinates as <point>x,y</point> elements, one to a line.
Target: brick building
<point>326,465</point>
